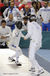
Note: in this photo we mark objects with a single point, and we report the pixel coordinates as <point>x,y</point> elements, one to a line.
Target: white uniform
<point>32,12</point>
<point>15,12</point>
<point>45,14</point>
<point>14,43</point>
<point>35,35</point>
<point>5,32</point>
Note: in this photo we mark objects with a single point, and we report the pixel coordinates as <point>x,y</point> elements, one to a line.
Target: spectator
<point>28,11</point>
<point>12,9</point>
<point>39,5</point>
<point>34,5</point>
<point>11,21</point>
<point>25,20</point>
<point>44,14</point>
<point>39,21</point>
<point>5,33</point>
<point>1,8</point>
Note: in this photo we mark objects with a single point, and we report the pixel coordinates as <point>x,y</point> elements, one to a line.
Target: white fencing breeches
<point>17,49</point>
<point>34,47</point>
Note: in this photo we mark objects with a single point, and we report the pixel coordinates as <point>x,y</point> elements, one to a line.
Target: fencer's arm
<point>24,28</point>
<point>22,35</point>
<point>27,36</point>
<point>29,29</point>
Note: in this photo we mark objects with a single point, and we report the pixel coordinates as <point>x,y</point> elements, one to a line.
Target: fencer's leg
<point>32,52</point>
<point>17,57</point>
<point>18,54</point>
<point>12,58</point>
<point>12,48</point>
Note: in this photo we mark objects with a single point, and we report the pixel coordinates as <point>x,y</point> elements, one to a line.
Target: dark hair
<point>34,2</point>
<point>19,24</point>
<point>40,5</point>
<point>25,18</point>
<point>3,21</point>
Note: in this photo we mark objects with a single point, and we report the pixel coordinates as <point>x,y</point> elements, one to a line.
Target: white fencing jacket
<point>34,32</point>
<point>16,35</point>
<point>15,12</point>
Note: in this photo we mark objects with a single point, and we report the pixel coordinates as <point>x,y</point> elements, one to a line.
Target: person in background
<point>12,9</point>
<point>5,33</point>
<point>39,5</point>
<point>39,21</point>
<point>28,11</point>
<point>25,20</point>
<point>14,43</point>
<point>1,8</point>
<point>44,15</point>
<point>11,21</point>
<point>34,5</point>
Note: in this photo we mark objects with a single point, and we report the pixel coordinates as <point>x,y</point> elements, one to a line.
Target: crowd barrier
<point>45,41</point>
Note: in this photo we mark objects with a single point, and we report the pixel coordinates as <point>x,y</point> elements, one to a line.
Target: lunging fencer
<point>14,43</point>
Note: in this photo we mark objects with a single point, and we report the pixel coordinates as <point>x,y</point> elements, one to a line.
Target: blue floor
<point>43,57</point>
<point>42,52</point>
<point>45,54</point>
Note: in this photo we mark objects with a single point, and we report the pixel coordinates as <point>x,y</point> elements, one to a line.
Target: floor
<point>8,68</point>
